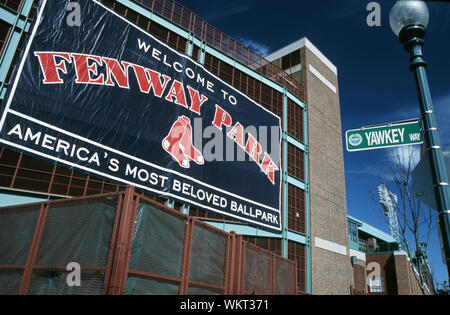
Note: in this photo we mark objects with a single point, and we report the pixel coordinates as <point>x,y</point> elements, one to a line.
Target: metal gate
<point>126,243</point>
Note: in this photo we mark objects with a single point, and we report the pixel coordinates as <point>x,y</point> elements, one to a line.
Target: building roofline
<point>357,222</point>
<point>303,42</point>
<point>371,230</point>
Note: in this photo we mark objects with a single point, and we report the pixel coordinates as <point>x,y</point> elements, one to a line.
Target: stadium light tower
<point>408,20</point>
<point>389,202</point>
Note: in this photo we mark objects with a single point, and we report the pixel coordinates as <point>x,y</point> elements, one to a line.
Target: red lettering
<point>50,67</point>
<point>114,69</point>
<point>177,94</point>
<point>146,83</point>
<point>253,148</point>
<point>196,102</point>
<point>237,134</point>
<point>269,167</point>
<point>84,70</point>
<point>221,118</point>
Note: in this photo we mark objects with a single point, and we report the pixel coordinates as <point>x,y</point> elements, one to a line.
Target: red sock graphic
<point>179,143</point>
<point>186,142</point>
<point>172,143</point>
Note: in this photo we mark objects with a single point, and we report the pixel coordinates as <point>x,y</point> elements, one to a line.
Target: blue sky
<point>374,80</point>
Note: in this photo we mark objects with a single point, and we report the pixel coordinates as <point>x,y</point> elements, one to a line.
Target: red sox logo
<point>178,143</point>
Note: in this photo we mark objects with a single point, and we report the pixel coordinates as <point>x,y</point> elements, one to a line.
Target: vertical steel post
<point>187,252</point>
<point>202,52</point>
<point>123,245</point>
<point>185,209</point>
<point>412,37</point>
<point>272,275</point>
<point>190,45</point>
<point>308,271</point>
<point>110,262</point>
<point>239,266</point>
<point>284,177</point>
<point>295,278</point>
<point>34,249</point>
<point>230,263</point>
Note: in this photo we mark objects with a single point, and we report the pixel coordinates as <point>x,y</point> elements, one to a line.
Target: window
<point>291,60</point>
<point>376,284</point>
<point>4,32</point>
<point>13,4</point>
<point>352,232</point>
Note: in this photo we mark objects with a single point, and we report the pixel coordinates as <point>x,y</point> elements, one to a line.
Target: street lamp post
<point>408,20</point>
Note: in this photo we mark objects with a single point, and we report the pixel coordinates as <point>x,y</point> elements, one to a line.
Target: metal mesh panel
<point>5,28</point>
<point>271,244</point>
<point>53,282</point>
<point>12,4</point>
<point>10,281</point>
<point>297,254</point>
<point>158,242</point>
<point>27,173</point>
<point>78,232</point>
<point>295,120</point>
<point>141,286</point>
<point>203,291</point>
<point>296,209</point>
<point>296,162</point>
<point>284,277</point>
<point>216,38</point>
<point>208,256</point>
<point>17,228</point>
<point>256,271</point>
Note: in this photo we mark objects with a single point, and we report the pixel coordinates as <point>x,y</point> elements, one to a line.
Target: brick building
<point>329,260</point>
<point>381,266</point>
<point>298,83</point>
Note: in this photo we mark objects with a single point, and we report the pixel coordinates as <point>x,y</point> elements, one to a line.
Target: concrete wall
<point>332,272</point>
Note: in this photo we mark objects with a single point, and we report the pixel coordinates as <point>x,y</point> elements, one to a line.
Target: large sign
<point>422,178</point>
<point>105,97</point>
<point>384,136</point>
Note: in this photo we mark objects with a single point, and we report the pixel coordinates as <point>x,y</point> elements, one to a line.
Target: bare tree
<point>416,221</point>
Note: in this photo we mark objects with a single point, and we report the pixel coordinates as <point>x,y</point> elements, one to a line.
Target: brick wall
<point>406,279</point>
<point>359,277</point>
<point>387,267</point>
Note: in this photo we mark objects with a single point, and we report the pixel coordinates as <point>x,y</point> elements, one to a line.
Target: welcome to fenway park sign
<point>104,97</point>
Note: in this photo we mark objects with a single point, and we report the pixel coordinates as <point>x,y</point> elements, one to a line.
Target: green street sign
<point>384,136</point>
